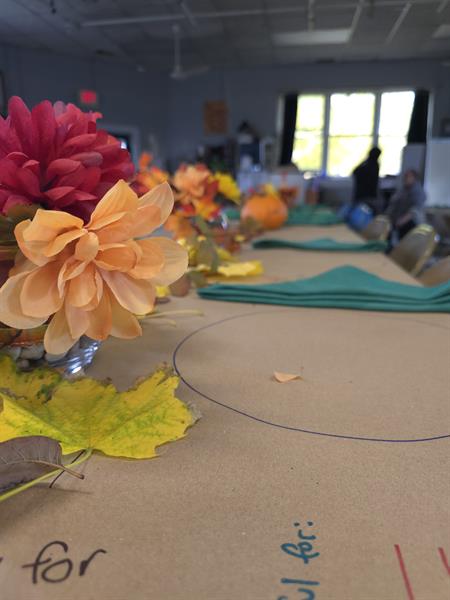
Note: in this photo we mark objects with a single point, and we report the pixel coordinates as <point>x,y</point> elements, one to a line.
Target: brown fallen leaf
<point>181,287</point>
<point>26,458</point>
<point>285,377</point>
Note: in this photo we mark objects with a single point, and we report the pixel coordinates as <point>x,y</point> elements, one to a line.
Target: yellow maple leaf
<point>248,268</point>
<point>85,414</point>
<point>235,271</point>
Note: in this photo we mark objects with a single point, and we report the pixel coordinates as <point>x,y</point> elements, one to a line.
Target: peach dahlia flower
<point>95,277</point>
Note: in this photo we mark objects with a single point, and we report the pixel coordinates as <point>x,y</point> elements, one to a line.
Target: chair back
<point>413,251</point>
<point>359,217</point>
<point>436,274</point>
<point>378,229</point>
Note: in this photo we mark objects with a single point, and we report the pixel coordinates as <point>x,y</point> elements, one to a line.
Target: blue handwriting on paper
<point>303,550</point>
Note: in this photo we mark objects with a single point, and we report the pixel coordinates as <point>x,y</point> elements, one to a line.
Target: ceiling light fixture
<point>312,38</point>
<point>443,31</point>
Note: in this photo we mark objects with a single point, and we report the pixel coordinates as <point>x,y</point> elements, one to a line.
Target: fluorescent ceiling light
<point>443,31</point>
<point>312,37</point>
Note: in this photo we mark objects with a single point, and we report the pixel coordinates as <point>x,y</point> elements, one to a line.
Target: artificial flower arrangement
<point>210,262</point>
<point>77,264</point>
<point>195,223</point>
<point>73,228</point>
<point>148,175</point>
<point>228,187</point>
<point>196,191</point>
<point>200,193</point>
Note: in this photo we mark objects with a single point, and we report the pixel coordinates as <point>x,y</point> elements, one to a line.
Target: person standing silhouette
<point>365,181</point>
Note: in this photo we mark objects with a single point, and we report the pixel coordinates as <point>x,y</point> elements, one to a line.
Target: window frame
<point>377,91</point>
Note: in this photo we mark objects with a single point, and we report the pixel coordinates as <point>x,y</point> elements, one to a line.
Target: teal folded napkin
<point>298,215</point>
<point>323,244</point>
<point>234,214</point>
<point>343,287</point>
<point>312,215</point>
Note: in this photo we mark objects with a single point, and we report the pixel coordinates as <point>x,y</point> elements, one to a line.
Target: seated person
<point>365,181</point>
<point>406,207</point>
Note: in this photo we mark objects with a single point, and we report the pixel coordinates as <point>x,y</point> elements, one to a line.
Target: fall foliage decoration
<point>84,415</point>
<point>92,279</point>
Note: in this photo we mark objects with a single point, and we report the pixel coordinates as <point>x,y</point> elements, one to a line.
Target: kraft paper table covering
<point>321,244</point>
<point>207,518</point>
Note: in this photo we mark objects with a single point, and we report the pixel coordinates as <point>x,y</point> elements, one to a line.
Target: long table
<point>333,487</point>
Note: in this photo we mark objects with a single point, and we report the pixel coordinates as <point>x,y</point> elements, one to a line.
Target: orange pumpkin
<point>268,210</point>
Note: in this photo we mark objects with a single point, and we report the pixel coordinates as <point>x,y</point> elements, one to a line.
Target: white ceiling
<point>228,33</point>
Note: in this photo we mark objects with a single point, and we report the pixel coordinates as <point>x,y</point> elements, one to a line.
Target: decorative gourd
<point>268,210</point>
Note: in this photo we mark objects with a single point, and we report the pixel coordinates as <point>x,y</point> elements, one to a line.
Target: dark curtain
<point>289,120</point>
<point>417,133</point>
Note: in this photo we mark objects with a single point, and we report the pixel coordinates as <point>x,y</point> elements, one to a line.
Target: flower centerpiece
<point>73,228</point>
<point>148,175</point>
<point>200,197</point>
<point>195,193</point>
<point>228,187</point>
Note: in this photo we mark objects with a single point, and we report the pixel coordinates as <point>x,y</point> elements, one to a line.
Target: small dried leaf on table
<point>286,377</point>
<point>181,287</point>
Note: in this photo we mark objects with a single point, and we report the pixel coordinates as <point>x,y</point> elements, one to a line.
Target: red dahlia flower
<point>55,156</point>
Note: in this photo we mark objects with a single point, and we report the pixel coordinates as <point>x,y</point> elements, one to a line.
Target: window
<point>334,132</point>
<point>395,114</point>
<point>350,132</point>
<point>309,132</point>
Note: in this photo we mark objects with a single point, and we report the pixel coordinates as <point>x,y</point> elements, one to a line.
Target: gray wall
<point>127,97</point>
<point>252,94</point>
<point>172,110</point>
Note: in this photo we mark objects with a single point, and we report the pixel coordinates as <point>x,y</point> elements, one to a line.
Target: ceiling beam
<point>190,17</point>
<point>311,17</point>
<point>356,17</point>
<point>398,22</point>
<point>249,12</point>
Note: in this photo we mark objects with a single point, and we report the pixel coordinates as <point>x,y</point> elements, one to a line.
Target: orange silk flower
<point>95,277</point>
<point>196,190</point>
<point>191,182</point>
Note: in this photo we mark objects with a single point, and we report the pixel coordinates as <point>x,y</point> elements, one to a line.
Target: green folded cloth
<point>312,215</point>
<point>323,244</point>
<point>343,287</point>
<point>234,214</point>
<point>298,215</point>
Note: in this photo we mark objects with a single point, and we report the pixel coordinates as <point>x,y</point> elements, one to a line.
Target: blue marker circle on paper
<point>345,392</point>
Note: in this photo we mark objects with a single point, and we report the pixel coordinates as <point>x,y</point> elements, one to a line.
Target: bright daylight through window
<point>334,132</point>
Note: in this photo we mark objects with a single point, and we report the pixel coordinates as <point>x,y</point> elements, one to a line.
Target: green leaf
<point>203,226</point>
<point>207,255</point>
<point>87,414</point>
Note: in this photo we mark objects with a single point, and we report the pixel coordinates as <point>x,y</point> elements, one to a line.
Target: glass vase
<point>26,348</point>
